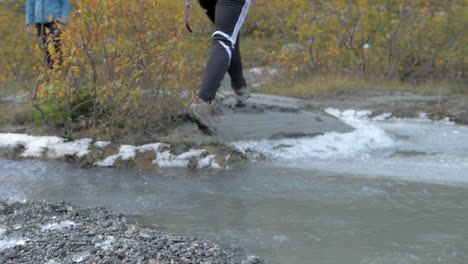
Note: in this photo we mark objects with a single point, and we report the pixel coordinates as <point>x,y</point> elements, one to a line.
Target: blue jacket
<point>36,14</point>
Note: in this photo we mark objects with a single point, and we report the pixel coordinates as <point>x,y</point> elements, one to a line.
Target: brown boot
<point>241,95</point>
<point>204,114</point>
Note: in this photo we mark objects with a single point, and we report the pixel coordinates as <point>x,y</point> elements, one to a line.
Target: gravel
<point>59,233</point>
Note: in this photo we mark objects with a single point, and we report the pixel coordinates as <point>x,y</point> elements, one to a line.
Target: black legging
<point>49,32</point>
<point>228,17</point>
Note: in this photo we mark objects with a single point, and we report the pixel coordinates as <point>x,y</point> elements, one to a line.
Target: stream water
<point>391,192</point>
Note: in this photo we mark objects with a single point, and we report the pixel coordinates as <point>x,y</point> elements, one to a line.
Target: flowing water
<point>391,192</point>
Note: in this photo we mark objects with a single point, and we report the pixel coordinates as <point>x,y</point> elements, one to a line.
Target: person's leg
<point>229,18</point>
<point>210,7</point>
<point>236,70</point>
<point>55,35</point>
<point>42,31</point>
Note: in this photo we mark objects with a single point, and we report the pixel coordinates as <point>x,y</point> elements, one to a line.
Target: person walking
<point>48,16</point>
<point>228,17</point>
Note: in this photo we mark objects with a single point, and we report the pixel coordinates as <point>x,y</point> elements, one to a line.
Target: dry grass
<point>331,83</point>
<point>17,115</point>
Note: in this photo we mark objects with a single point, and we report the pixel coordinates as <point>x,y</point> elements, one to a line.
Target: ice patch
<point>55,226</point>
<point>35,146</point>
<point>10,243</point>
<point>364,140</point>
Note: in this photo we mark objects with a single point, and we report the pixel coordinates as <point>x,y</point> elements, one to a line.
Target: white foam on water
<point>281,238</point>
<point>12,194</point>
<point>364,140</point>
<point>58,226</point>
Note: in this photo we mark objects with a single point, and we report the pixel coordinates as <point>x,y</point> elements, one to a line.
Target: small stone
<point>145,233</point>
<point>80,257</point>
<point>154,261</point>
<point>10,254</point>
<point>132,229</point>
<point>253,259</point>
<point>174,238</point>
<point>52,262</point>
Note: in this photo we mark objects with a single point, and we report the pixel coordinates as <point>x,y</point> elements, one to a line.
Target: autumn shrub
<point>397,39</point>
<point>130,66</point>
<point>125,65</point>
<point>17,55</point>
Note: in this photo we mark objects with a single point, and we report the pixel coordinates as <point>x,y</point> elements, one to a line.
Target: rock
<point>154,261</point>
<point>145,233</point>
<point>293,47</point>
<point>132,229</point>
<point>253,259</point>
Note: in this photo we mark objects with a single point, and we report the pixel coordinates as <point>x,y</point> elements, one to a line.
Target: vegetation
<point>130,66</point>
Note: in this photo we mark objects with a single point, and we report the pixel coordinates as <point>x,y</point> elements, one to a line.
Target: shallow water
<point>390,192</point>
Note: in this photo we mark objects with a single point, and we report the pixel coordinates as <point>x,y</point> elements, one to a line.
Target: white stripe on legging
<point>228,50</point>
<point>238,26</point>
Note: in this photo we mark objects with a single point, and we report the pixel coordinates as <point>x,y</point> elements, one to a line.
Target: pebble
<point>100,237</point>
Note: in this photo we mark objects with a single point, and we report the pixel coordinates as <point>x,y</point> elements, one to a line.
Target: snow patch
<point>35,146</point>
<point>55,147</point>
<point>128,152</point>
<point>11,242</point>
<point>208,162</point>
<point>102,144</point>
<point>168,160</point>
<point>156,147</point>
<point>56,226</point>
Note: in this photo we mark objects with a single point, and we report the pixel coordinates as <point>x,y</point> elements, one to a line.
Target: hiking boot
<point>205,115</point>
<point>241,96</point>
